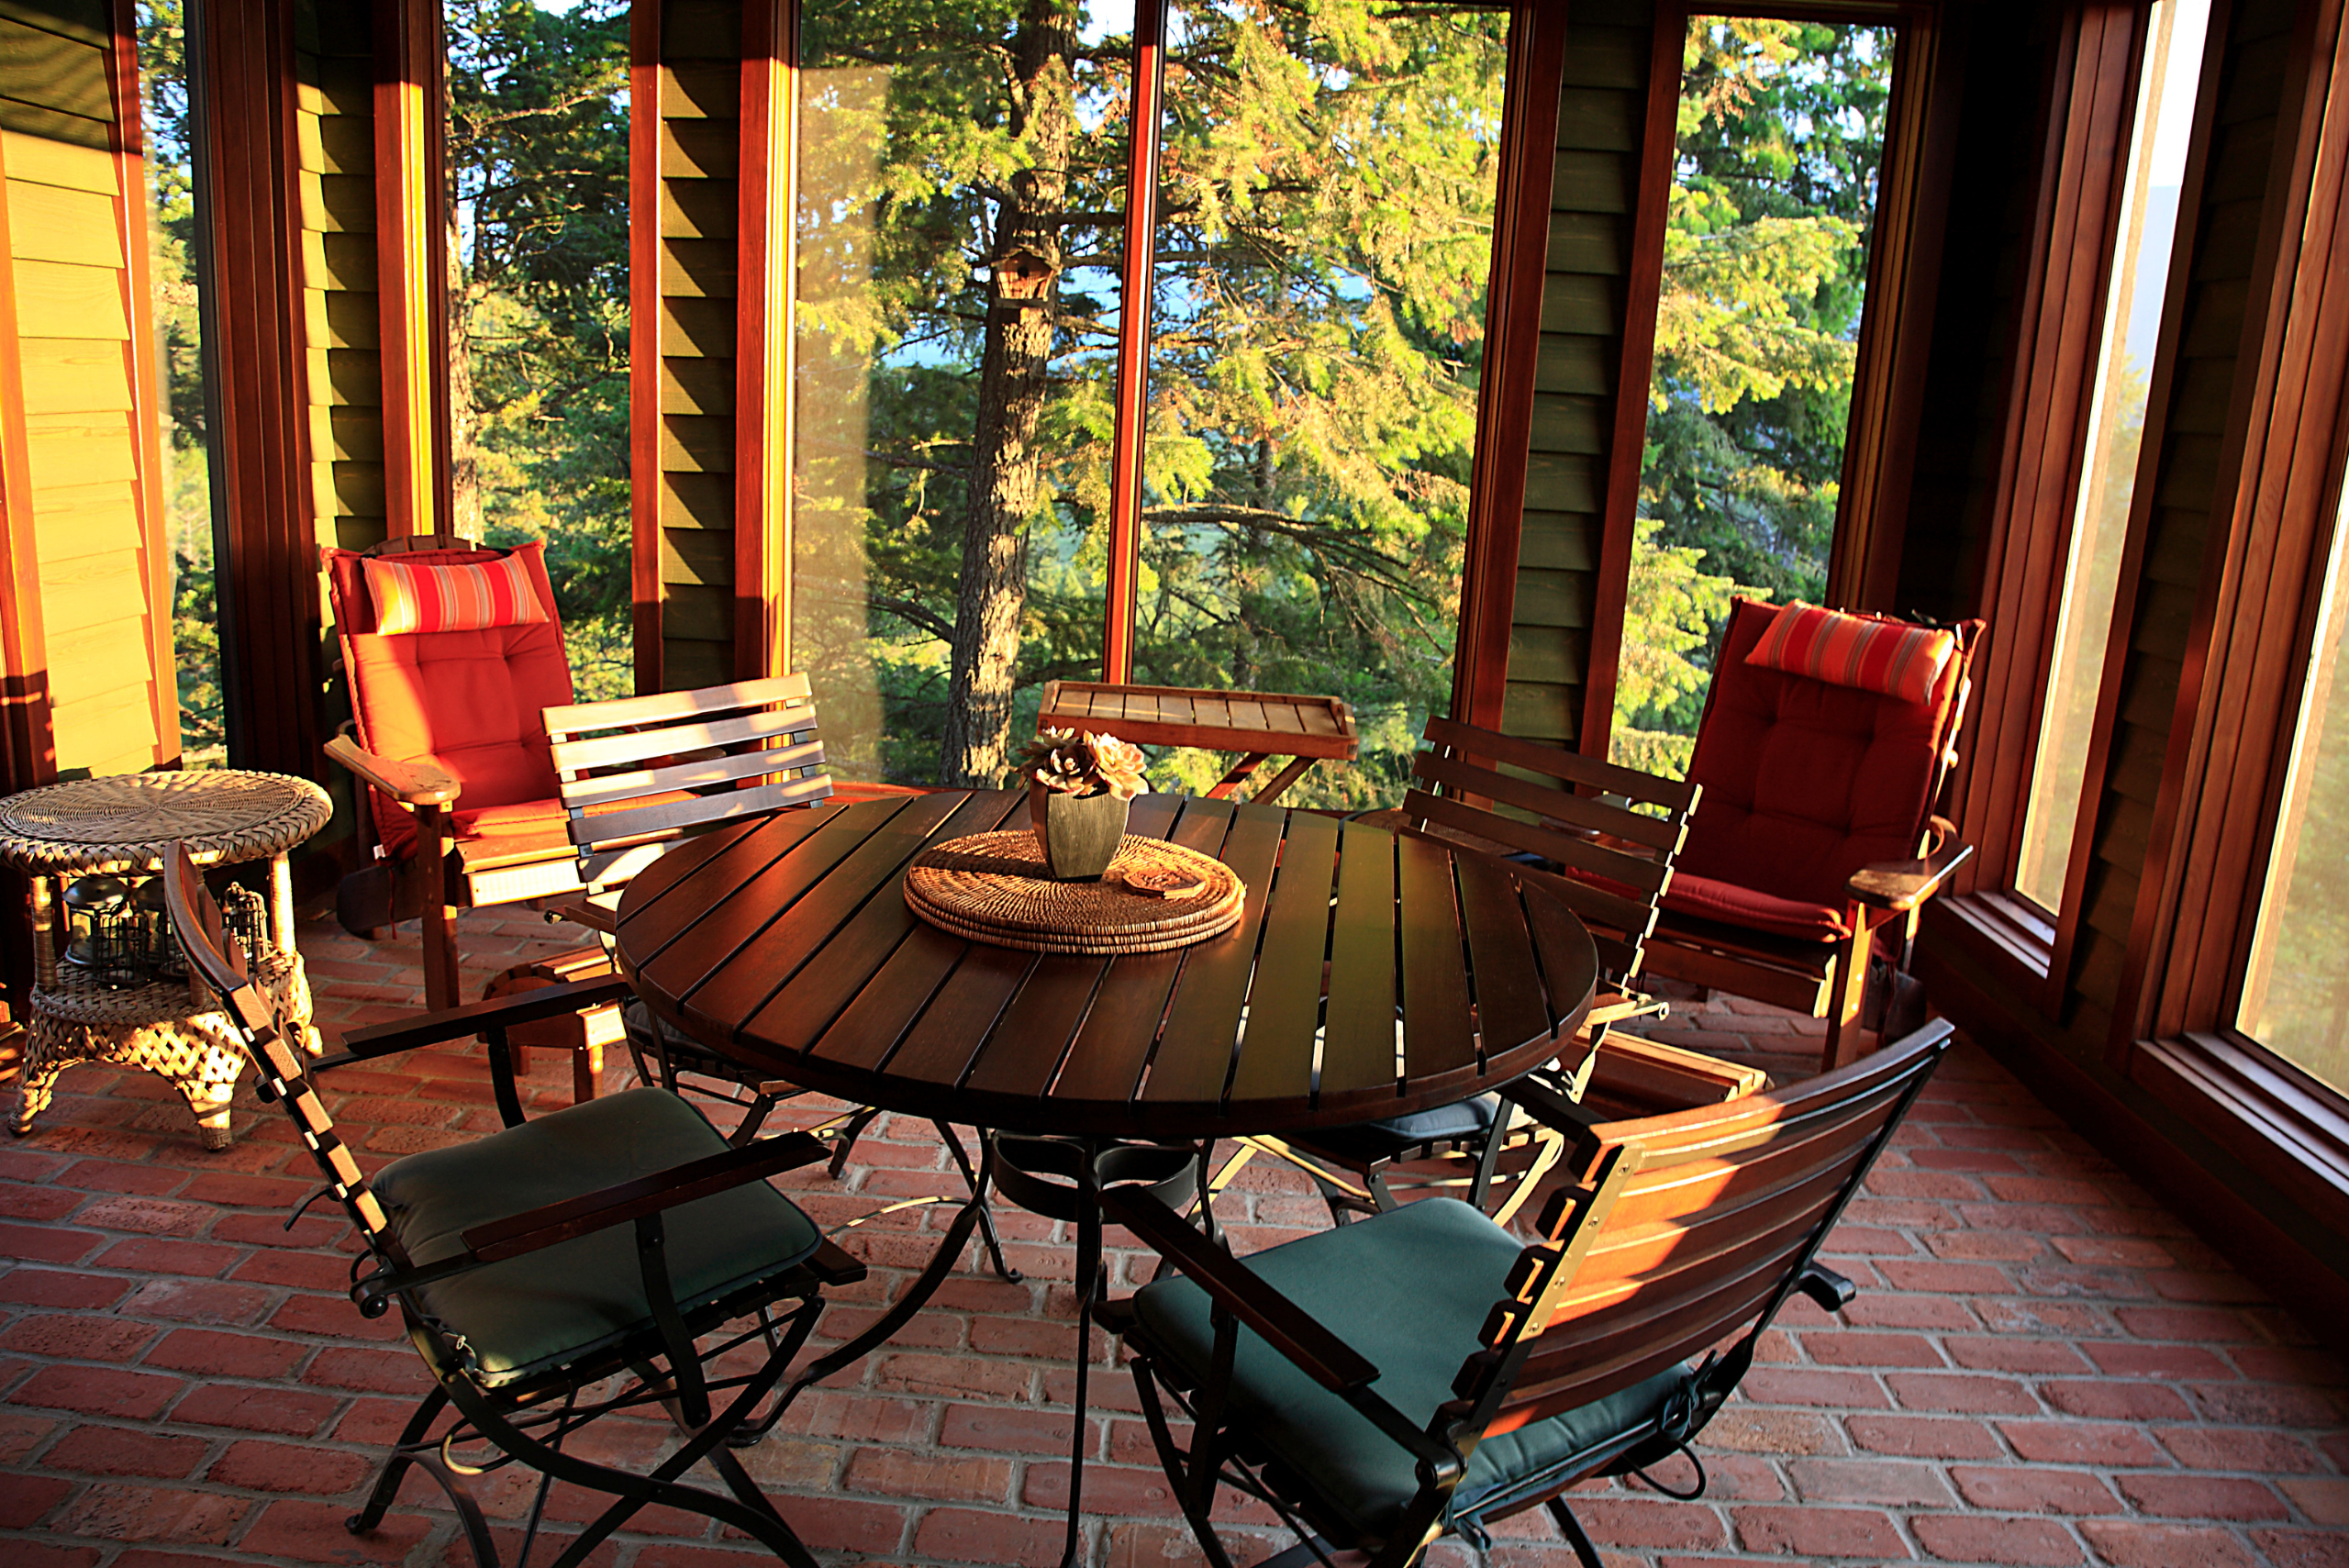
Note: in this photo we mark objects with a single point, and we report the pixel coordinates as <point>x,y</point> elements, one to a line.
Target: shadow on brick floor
<point>2042,1367</point>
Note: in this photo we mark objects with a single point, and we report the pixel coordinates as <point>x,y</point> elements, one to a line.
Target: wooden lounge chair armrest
<point>1824,1286</point>
<point>410,784</point>
<point>626,1201</point>
<point>1280,1322</point>
<point>475,1017</point>
<point>1900,885</point>
<point>1613,1007</point>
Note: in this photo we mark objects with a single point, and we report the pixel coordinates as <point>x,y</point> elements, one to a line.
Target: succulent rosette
<point>1067,762</point>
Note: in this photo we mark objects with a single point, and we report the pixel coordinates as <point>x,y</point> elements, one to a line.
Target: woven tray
<point>991,887</point>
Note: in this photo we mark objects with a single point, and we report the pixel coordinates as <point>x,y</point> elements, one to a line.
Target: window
<point>1773,207</point>
<point>1325,211</point>
<point>2295,992</point>
<point>2090,570</point>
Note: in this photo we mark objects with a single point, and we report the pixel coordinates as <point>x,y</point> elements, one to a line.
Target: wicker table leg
<point>45,1058</point>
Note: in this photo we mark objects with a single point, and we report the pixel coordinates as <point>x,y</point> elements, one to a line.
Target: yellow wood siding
<point>95,529</point>
<point>1602,107</point>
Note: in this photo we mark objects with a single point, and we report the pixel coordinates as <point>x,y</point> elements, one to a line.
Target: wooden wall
<point>1578,420</point>
<point>685,333</point>
<point>83,494</point>
<point>334,124</point>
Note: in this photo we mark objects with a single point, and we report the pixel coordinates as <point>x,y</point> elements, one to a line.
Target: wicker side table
<point>122,824</point>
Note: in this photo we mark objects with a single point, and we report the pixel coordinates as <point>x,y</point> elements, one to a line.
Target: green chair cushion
<point>1409,1289</point>
<point>1391,1138</point>
<point>508,1321</point>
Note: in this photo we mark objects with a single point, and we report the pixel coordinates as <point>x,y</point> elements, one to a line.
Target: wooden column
<point>411,143</point>
<point>766,192</point>
<point>241,63</point>
<point>1133,342</point>
<point>1537,44</point>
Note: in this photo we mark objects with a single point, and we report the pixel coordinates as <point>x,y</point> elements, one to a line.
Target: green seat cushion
<point>1390,1138</point>
<point>508,1321</point>
<point>1409,1289</point>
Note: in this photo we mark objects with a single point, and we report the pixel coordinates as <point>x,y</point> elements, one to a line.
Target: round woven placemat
<point>130,819</point>
<point>992,887</point>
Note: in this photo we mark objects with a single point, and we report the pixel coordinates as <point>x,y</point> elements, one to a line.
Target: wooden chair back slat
<point>1587,899</point>
<point>1608,835</point>
<point>1641,867</point>
<point>696,772</point>
<point>1723,1206</point>
<point>1672,794</point>
<point>640,774</point>
<point>692,735</point>
<point>662,707</point>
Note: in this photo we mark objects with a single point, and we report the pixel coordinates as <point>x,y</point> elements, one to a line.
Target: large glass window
<point>538,305</point>
<point>2117,419</point>
<point>1326,208</point>
<point>2295,992</point>
<point>1772,211</point>
<point>1318,328</point>
<point>961,215</point>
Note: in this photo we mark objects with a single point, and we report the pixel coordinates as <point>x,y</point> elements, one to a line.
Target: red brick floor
<point>2043,1366</point>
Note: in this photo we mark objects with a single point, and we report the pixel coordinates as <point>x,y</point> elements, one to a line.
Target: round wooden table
<point>1371,975</point>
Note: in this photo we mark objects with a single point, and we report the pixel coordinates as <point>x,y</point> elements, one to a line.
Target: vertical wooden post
<point>1133,340</point>
<point>241,72</point>
<point>1635,367</point>
<point>1536,48</point>
<point>644,337</point>
<point>27,748</point>
<point>762,340</point>
<point>412,264</point>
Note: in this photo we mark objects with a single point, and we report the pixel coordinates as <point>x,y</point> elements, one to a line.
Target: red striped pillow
<point>1889,656</point>
<point>468,596</point>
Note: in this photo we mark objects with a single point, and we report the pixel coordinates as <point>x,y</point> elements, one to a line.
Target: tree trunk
<point>1007,468</point>
<point>465,423</point>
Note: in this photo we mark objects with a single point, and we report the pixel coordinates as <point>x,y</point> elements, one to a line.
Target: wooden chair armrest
<point>410,784</point>
<point>1280,1322</point>
<point>1900,885</point>
<point>626,1201</point>
<point>580,912</point>
<point>475,1017</point>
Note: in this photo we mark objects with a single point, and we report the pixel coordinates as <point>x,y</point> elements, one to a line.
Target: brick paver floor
<point>2042,1367</point>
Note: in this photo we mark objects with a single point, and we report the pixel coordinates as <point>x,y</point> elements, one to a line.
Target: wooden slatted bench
<point>1258,725</point>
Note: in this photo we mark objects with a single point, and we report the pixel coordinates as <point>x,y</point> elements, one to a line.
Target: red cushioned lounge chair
<point>445,732</point>
<point>1819,827</point>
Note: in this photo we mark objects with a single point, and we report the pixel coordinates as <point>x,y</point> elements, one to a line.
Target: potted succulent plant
<point>1079,787</point>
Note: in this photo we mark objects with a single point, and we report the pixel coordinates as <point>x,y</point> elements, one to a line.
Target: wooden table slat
<point>1284,1000</point>
<point>1318,721</point>
<point>1115,1043</point>
<point>1438,1036</point>
<point>856,934</point>
<point>697,938</point>
<point>1282,718</point>
<point>765,837</point>
<point>1175,707</point>
<point>867,1031</point>
<point>1211,713</point>
<point>1569,962</point>
<point>943,1046</point>
<point>1509,1008</point>
<point>1031,1039</point>
<point>1358,1044</point>
<point>1201,1034</point>
<point>1248,716</point>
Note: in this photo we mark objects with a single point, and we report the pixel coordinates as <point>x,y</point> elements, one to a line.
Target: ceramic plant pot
<point>1079,833</point>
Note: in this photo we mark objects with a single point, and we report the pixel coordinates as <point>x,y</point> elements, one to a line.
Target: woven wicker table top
<point>126,821</point>
<point>992,887</point>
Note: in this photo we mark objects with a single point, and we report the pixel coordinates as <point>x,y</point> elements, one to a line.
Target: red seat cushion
<point>466,702</point>
<point>1707,899</point>
<point>1805,782</point>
